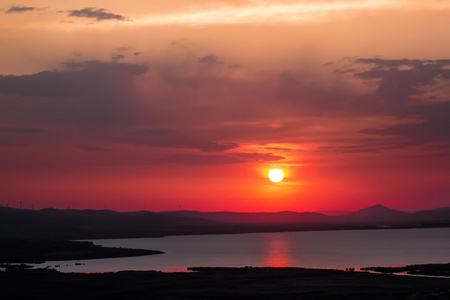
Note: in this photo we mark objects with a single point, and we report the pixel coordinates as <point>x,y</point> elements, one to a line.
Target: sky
<point>168,105</point>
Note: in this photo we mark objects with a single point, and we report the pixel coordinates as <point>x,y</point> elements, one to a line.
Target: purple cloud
<point>173,139</point>
<point>399,82</point>
<point>89,94</point>
<point>232,158</point>
<point>20,130</point>
<point>19,9</point>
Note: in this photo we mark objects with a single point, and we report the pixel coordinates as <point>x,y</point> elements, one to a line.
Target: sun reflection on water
<point>277,251</point>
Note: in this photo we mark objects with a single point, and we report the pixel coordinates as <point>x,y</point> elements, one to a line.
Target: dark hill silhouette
<point>432,215</point>
<point>333,212</point>
<point>261,217</point>
<point>94,224</point>
<point>54,224</point>
<point>377,211</point>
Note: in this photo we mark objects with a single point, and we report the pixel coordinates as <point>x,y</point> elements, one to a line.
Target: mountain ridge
<point>377,210</point>
<point>72,224</point>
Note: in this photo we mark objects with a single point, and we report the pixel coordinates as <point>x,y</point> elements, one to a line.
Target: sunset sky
<point>154,105</point>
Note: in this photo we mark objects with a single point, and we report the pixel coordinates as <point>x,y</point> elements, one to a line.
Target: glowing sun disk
<point>276,175</point>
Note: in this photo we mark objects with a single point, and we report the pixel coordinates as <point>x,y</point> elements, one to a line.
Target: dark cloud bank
<point>20,130</point>
<point>94,95</point>
<point>91,95</point>
<point>399,83</point>
<point>88,94</point>
<point>173,139</point>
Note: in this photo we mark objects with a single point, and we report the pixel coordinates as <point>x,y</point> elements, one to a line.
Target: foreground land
<point>426,269</point>
<point>222,283</point>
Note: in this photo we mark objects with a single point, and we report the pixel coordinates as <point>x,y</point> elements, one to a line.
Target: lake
<point>309,249</point>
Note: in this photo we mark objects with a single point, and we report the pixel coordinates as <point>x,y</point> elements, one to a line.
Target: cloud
<point>350,149</point>
<point>407,88</point>
<point>19,9</point>
<point>99,14</point>
<point>20,130</point>
<point>257,157</point>
<point>399,80</point>
<point>430,155</point>
<point>88,94</point>
<point>173,139</point>
<point>278,148</point>
<point>262,11</point>
<point>118,57</point>
<point>80,78</point>
<point>19,136</point>
<point>232,158</point>
<point>209,59</point>
<point>435,127</point>
<point>187,105</point>
<point>93,148</point>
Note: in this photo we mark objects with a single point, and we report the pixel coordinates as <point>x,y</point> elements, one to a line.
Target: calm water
<point>318,249</point>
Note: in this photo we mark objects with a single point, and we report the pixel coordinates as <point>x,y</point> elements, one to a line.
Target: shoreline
<point>432,270</point>
<point>442,269</point>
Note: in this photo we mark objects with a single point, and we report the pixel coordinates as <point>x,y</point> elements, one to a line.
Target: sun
<point>276,175</point>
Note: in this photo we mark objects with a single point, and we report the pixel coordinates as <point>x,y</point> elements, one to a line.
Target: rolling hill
<point>54,224</point>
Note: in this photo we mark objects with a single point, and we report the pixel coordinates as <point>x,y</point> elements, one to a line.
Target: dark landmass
<point>424,269</point>
<point>378,211</point>
<point>26,251</point>
<point>333,212</point>
<point>54,224</point>
<point>222,283</point>
<point>260,217</point>
<point>70,224</point>
<point>377,215</point>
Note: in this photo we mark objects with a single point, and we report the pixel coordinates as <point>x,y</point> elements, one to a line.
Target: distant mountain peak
<point>377,210</point>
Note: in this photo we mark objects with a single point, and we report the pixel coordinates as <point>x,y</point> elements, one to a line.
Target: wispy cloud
<point>232,158</point>
<point>93,148</point>
<point>274,11</point>
<point>20,130</point>
<point>99,14</point>
<point>19,9</point>
<point>173,139</point>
